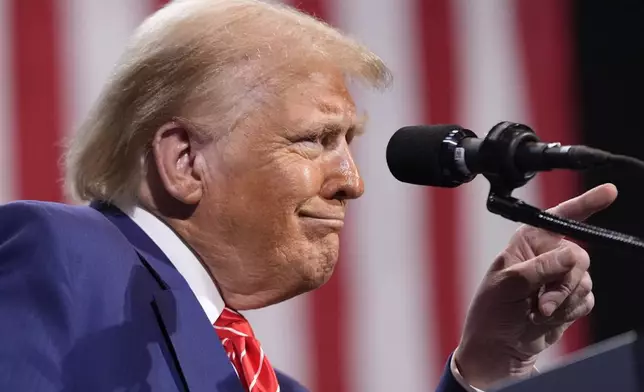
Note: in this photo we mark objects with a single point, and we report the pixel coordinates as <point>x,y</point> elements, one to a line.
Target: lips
<point>326,215</point>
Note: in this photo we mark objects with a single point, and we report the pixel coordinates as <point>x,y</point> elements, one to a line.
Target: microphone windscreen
<point>414,155</point>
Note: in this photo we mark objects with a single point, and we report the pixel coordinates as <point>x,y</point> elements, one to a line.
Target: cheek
<point>311,178</point>
<point>266,192</point>
<point>298,181</point>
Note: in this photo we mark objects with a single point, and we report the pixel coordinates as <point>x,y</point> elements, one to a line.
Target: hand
<point>531,294</point>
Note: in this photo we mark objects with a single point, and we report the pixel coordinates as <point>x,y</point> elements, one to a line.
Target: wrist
<point>484,365</point>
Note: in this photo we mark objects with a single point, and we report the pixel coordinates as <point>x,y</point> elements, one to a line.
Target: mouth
<point>323,218</point>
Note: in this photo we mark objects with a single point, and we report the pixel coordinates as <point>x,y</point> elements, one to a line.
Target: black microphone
<point>450,155</point>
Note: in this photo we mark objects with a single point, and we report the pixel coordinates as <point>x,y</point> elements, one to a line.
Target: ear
<point>174,152</point>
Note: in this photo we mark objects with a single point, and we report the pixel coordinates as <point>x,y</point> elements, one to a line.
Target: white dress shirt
<point>195,273</point>
<point>459,377</point>
<point>183,259</point>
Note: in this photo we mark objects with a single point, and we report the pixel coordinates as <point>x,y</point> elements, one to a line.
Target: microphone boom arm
<point>517,210</point>
<point>502,143</point>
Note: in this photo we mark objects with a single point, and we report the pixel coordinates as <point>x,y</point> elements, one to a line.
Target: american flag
<point>411,257</point>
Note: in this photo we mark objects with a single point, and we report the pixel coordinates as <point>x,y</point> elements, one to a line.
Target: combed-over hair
<point>218,58</point>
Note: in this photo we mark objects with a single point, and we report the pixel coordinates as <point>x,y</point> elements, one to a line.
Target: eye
<point>313,138</point>
<point>325,138</point>
<point>331,137</point>
<point>309,142</point>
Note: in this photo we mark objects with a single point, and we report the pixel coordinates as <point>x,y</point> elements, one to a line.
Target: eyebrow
<point>332,124</point>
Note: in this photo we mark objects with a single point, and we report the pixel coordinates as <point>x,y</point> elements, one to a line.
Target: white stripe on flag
<point>95,36</point>
<point>494,91</point>
<point>284,332</point>
<point>389,326</point>
<point>7,162</point>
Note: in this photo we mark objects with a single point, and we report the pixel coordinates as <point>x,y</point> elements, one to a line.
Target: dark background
<point>610,58</point>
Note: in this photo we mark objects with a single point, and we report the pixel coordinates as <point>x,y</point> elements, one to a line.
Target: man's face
<point>277,189</point>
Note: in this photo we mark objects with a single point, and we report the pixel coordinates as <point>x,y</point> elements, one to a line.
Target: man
<point>218,167</point>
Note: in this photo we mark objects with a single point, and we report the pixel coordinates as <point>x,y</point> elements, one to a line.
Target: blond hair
<point>206,56</point>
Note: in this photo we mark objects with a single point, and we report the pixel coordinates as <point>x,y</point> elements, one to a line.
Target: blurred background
<point>412,257</point>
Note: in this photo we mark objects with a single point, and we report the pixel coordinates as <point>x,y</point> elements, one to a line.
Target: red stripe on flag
<point>317,8</point>
<point>439,89</point>
<point>544,28</point>
<point>158,4</point>
<point>38,98</point>
<point>328,312</point>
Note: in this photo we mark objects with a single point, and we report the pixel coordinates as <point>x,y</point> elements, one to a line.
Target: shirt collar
<point>183,259</point>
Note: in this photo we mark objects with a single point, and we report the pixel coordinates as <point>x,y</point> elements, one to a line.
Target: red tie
<point>245,353</point>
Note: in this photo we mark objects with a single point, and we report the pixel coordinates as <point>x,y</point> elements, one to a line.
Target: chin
<point>311,265</point>
<point>307,283</point>
<point>320,273</point>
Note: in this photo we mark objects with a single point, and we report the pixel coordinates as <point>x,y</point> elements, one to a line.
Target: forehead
<point>320,97</point>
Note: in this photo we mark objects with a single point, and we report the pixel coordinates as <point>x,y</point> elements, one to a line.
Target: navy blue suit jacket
<point>89,303</point>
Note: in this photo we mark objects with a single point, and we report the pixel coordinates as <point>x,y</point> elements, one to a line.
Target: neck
<point>241,287</point>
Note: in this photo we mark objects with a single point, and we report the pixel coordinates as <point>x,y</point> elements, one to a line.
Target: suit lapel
<point>199,356</point>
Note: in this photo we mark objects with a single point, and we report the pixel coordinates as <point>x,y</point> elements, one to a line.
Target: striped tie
<point>245,353</point>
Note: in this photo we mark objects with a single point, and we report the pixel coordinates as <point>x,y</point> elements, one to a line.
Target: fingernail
<point>548,308</point>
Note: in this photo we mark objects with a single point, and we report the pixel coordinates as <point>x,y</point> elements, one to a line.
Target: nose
<point>343,180</point>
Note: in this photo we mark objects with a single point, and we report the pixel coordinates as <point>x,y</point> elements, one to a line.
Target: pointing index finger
<point>587,204</point>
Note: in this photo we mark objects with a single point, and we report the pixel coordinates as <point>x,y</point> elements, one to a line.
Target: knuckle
<point>567,288</point>
<point>574,255</point>
<point>573,314</point>
<point>586,285</point>
<point>542,267</point>
<point>583,309</point>
<point>590,302</point>
<point>581,257</point>
<point>574,310</point>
